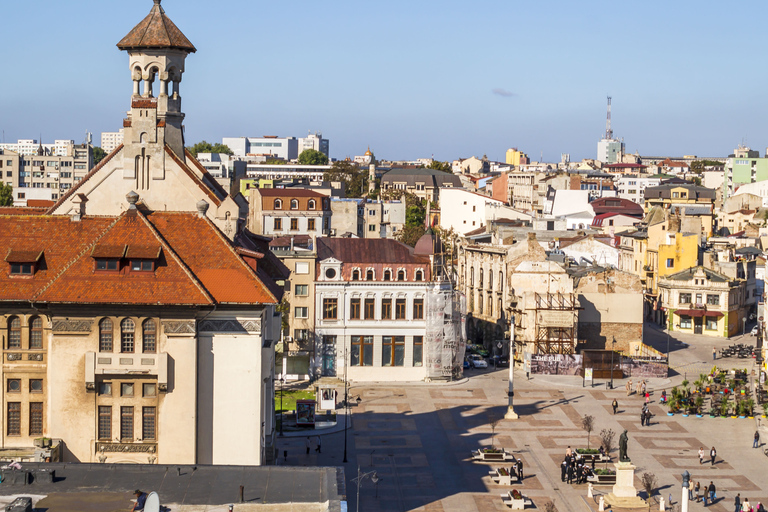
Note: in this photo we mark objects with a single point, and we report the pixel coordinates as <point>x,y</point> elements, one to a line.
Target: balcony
<point>126,364</point>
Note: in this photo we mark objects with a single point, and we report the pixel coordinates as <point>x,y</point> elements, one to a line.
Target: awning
<point>696,313</point>
<point>715,314</point>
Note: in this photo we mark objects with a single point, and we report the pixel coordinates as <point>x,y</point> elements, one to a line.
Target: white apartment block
<point>33,147</point>
<point>52,172</point>
<point>463,211</point>
<point>286,148</point>
<point>633,188</point>
<point>111,140</point>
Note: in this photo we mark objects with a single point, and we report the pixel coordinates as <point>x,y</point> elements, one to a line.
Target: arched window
<point>356,275</point>
<point>311,204</point>
<point>294,204</point>
<point>401,275</point>
<point>278,204</point>
<point>36,332</point>
<point>481,278</point>
<point>14,332</point>
<point>480,303</point>
<point>419,275</point>
<point>148,338</point>
<point>105,335</point>
<point>369,275</point>
<point>501,281</point>
<point>127,331</point>
<point>387,275</point>
<point>471,276</point>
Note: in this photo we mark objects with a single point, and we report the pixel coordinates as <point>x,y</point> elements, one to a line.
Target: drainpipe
<point>197,372</point>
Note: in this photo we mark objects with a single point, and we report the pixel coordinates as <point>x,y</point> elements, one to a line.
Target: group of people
<point>745,506</point>
<point>516,468</point>
<point>712,455</point>
<point>645,416</point>
<point>574,470</point>
<point>641,388</point>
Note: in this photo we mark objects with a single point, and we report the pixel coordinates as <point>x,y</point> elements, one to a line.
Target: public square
<point>419,438</point>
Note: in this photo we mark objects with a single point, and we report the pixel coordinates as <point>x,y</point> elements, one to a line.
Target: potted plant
<point>516,495</point>
<point>749,406</point>
<point>699,403</point>
<point>724,408</point>
<point>765,410</point>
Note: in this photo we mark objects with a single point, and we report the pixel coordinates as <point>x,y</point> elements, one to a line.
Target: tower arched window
<point>294,204</point>
<point>311,204</point>
<point>471,276</point>
<point>14,332</point>
<point>127,335</point>
<point>36,332</point>
<point>278,204</point>
<point>105,335</point>
<point>149,336</point>
<point>501,281</point>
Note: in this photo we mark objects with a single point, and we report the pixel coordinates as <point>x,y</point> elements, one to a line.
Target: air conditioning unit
<point>288,339</point>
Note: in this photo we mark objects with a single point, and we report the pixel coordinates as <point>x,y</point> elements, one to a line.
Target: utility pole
<point>511,414</point>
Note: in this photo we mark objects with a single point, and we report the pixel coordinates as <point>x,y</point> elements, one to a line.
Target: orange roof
<point>195,263</point>
<point>40,203</point>
<point>156,31</point>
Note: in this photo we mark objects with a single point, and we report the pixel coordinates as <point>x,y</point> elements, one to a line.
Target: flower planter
<point>685,415</point>
<point>670,414</point>
<point>742,417</point>
<point>699,415</point>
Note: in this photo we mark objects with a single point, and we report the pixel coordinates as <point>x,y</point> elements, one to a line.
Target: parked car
<point>500,361</point>
<point>754,330</point>
<point>477,361</point>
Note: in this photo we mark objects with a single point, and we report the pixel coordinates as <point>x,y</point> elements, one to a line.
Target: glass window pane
<point>354,355</point>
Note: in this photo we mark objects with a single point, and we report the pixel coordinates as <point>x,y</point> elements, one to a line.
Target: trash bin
<point>22,504</point>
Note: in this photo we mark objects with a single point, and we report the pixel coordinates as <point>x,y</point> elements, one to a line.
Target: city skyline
<point>410,80</point>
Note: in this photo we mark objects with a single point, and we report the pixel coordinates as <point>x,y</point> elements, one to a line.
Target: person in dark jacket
<point>712,491</point>
<point>141,499</point>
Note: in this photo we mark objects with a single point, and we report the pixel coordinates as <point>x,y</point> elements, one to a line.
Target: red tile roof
<point>366,250</point>
<point>21,210</point>
<point>156,31</point>
<point>196,264</point>
<point>40,203</point>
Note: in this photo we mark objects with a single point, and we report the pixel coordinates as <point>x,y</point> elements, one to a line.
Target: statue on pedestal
<point>623,439</point>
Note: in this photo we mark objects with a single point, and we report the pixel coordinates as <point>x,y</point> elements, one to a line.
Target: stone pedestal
<point>624,494</point>
<point>510,414</point>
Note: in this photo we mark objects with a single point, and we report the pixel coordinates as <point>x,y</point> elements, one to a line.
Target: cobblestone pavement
<point>418,439</point>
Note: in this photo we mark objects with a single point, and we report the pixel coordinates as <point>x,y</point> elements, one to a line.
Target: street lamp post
<point>613,343</point>
<point>346,402</point>
<point>743,326</point>
<point>281,406</point>
<point>360,477</point>
<point>511,414</point>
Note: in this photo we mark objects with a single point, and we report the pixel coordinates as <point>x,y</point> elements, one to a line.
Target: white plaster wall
<point>461,217</point>
<point>177,411</point>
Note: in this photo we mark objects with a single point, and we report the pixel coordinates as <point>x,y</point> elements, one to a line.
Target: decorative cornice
<point>247,326</point>
<point>179,327</point>
<point>67,325</point>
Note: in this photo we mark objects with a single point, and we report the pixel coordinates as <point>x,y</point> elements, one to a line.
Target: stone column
<point>137,87</point>
<point>511,414</point>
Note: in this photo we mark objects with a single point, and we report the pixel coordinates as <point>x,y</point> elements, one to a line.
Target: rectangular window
<point>400,309</point>
<point>711,324</point>
<point>370,309</point>
<point>418,309</point>
<point>294,224</point>
<point>393,351</point>
<point>354,309</point>
<point>36,418</point>
<point>371,227</point>
<point>126,423</point>
<point>126,389</point>
<point>302,268</point>
<point>106,264</point>
<point>301,290</point>
<point>105,389</point>
<point>386,309</point>
<point>310,224</point>
<point>13,419</point>
<point>105,423</point>
<point>362,351</point>
<point>300,312</point>
<point>685,298</point>
<point>698,298</point>
<point>149,390</point>
<point>278,224</point>
<point>330,309</point>
<point>301,334</point>
<point>148,415</point>
<point>35,385</point>
<point>685,322</point>
<point>142,266</point>
<point>21,269</point>
<point>670,262</point>
<point>418,350</point>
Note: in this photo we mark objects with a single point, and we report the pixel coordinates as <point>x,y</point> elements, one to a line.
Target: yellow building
<point>516,158</point>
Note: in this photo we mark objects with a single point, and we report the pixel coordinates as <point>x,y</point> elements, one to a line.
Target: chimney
<point>78,211</point>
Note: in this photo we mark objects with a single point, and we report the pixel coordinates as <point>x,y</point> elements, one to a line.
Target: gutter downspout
<point>197,377</point>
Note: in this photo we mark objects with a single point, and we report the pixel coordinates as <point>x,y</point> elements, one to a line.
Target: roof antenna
<point>608,130</point>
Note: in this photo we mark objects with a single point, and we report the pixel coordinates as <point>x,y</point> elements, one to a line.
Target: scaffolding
<point>445,341</point>
<point>556,325</point>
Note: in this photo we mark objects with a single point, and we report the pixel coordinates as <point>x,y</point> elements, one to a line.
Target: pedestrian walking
<point>285,455</point>
<point>563,470</point>
<point>712,491</point>
<point>629,387</point>
<point>647,398</point>
<point>690,492</point>
<point>643,388</point>
<point>746,507</point>
<point>615,405</point>
<point>737,503</point>
<point>712,455</point>
<point>520,469</point>
<point>714,353</point>
<point>756,442</point>
<point>317,449</point>
<point>697,489</point>
<point>701,455</point>
<point>670,499</point>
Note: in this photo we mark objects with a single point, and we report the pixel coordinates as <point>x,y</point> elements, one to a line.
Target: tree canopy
<point>415,216</point>
<point>6,195</point>
<point>98,155</point>
<point>700,166</point>
<point>207,147</point>
<point>348,173</point>
<point>312,157</point>
<point>440,166</point>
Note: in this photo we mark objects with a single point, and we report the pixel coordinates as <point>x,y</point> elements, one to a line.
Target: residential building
<point>610,150</point>
<point>591,250</point>
<point>744,166</point>
<point>315,141</point>
<point>225,169</point>
<point>110,141</point>
<point>379,305</point>
<point>516,158</point>
<point>348,217</point>
<point>610,223</point>
<point>291,172</point>
<point>383,219</point>
<point>462,211</point>
<point>139,317</point>
<point>632,187</point>
<point>471,165</point>
<point>701,301</point>
<point>759,188</point>
<point>689,199</point>
<point>289,211</point>
<point>33,147</point>
<point>285,148</point>
<point>424,183</point>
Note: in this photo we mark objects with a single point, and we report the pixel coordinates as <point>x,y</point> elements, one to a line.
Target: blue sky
<point>409,78</point>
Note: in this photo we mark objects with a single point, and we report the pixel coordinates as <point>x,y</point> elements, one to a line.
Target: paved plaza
<point>418,439</point>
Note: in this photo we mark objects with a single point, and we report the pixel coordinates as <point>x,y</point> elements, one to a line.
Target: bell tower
<point>157,50</point>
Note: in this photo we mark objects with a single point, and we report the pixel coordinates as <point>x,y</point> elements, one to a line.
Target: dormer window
<point>419,275</point>
<point>356,275</point>
<point>369,275</point>
<point>143,258</point>
<point>278,204</point>
<point>23,263</point>
<point>311,204</point>
<point>107,264</point>
<point>142,265</point>
<point>294,204</point>
<point>108,257</point>
<point>387,275</point>
<point>401,275</point>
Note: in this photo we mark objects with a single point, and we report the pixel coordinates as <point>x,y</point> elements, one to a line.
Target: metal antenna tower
<point>608,130</point>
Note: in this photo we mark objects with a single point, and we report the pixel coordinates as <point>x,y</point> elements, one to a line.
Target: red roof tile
<point>156,31</point>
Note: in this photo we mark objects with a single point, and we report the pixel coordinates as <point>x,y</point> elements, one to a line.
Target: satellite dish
<point>153,503</point>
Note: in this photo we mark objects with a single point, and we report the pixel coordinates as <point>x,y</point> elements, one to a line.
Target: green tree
<point>275,161</point>
<point>98,155</point>
<point>6,195</point>
<point>440,166</point>
<point>312,157</point>
<point>410,235</point>
<point>348,173</point>
<point>207,147</point>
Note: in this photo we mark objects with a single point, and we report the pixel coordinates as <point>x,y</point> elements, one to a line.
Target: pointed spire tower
<point>157,50</point>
